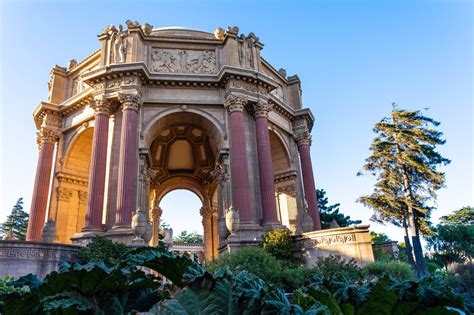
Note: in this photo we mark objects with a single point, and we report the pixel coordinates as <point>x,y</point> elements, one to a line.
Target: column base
<point>85,236</point>
<point>121,234</point>
<point>248,234</point>
<point>270,226</point>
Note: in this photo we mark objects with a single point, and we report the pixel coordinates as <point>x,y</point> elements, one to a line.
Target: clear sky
<point>354,59</point>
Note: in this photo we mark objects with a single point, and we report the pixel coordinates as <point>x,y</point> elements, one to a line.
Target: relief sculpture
<point>183,61</point>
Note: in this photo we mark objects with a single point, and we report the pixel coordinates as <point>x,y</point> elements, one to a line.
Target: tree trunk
<point>421,269</point>
<point>408,248</point>
<point>420,265</point>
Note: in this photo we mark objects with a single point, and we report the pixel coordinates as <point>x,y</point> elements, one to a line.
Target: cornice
<point>41,110</point>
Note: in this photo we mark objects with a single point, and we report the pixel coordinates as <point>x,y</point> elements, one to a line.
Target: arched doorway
<point>69,208</point>
<point>182,150</point>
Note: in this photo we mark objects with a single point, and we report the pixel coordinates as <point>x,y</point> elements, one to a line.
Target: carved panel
<point>65,194</point>
<point>330,240</point>
<point>82,196</point>
<point>40,254</point>
<point>183,61</point>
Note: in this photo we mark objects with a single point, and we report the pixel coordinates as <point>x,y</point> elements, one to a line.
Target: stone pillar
<point>304,142</point>
<point>48,135</point>
<point>97,169</point>
<point>239,163</point>
<point>156,213</point>
<point>128,161</point>
<point>215,233</point>
<point>206,213</point>
<point>265,167</point>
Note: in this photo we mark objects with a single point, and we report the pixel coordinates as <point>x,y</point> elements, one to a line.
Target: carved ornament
<point>330,240</point>
<point>262,108</point>
<point>247,86</point>
<point>46,135</point>
<point>82,196</point>
<point>183,61</point>
<point>235,103</point>
<point>303,138</point>
<point>101,105</point>
<point>65,194</point>
<point>130,101</point>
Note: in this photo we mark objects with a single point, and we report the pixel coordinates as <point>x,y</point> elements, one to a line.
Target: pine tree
<point>405,161</point>
<point>17,221</point>
<point>328,213</point>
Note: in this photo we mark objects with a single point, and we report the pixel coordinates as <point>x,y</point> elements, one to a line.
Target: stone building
<point>159,109</point>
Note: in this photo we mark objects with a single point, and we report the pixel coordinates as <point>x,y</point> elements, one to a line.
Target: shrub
<point>103,249</point>
<point>397,269</point>
<point>294,278</point>
<point>336,266</point>
<point>280,244</point>
<point>252,259</point>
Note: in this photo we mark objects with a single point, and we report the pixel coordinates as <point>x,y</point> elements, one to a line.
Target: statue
<point>120,45</point>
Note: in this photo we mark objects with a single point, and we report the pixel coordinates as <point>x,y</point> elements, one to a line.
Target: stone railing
<point>19,258</point>
<point>348,242</point>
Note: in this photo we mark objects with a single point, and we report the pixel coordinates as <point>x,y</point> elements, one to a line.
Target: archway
<point>71,193</point>
<point>182,149</point>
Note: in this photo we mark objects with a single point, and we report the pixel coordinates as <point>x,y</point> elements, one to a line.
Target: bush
<point>397,269</point>
<point>103,249</point>
<point>336,266</point>
<point>280,244</point>
<point>252,259</point>
<point>294,278</point>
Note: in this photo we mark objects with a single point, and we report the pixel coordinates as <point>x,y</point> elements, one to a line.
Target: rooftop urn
<point>232,219</point>
<point>48,234</point>
<point>148,232</point>
<point>139,223</point>
<point>168,236</point>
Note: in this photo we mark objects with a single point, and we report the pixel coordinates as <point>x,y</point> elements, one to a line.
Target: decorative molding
<point>183,61</point>
<point>262,108</point>
<point>64,177</point>
<point>330,240</point>
<point>65,194</point>
<point>130,101</point>
<point>35,253</point>
<point>82,195</point>
<point>47,135</point>
<point>102,105</point>
<point>235,103</point>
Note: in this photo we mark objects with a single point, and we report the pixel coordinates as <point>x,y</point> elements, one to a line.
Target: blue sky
<point>354,59</point>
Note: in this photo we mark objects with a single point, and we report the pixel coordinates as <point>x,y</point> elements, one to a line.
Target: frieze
<point>118,83</point>
<point>40,254</point>
<point>183,61</point>
<point>247,86</point>
<point>330,240</point>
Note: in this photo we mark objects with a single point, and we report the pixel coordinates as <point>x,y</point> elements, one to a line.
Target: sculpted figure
<point>163,61</point>
<point>120,45</point>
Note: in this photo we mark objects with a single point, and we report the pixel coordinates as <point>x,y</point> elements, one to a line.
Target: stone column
<point>128,161</point>
<point>156,213</point>
<point>239,163</point>
<point>304,142</point>
<point>47,138</point>
<point>265,167</point>
<point>97,169</point>
<point>215,233</point>
<point>207,224</point>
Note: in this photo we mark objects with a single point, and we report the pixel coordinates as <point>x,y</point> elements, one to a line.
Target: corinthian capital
<point>303,138</point>
<point>262,108</point>
<point>130,101</point>
<point>47,135</point>
<point>101,105</point>
<point>235,103</point>
<point>206,212</point>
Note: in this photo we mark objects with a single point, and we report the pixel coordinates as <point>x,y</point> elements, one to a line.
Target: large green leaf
<point>165,263</point>
<point>276,302</point>
<point>327,298</point>
<point>381,300</point>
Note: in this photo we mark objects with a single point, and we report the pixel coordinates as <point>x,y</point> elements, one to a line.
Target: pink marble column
<point>238,153</point>
<point>128,161</point>
<point>46,139</point>
<point>265,166</point>
<point>95,198</point>
<point>308,180</point>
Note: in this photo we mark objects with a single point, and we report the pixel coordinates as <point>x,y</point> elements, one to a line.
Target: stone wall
<point>19,258</point>
<point>348,242</point>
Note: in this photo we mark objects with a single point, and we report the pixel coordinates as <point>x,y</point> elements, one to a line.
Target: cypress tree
<point>17,221</point>
<point>405,161</point>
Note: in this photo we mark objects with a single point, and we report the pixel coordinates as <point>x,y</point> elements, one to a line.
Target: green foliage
<point>186,237</point>
<point>101,249</point>
<point>328,213</point>
<point>251,259</point>
<point>378,238</point>
<point>405,161</point>
<point>396,269</point>
<point>280,244</point>
<point>453,240</point>
<point>336,266</point>
<point>17,222</point>
<point>464,215</point>
<point>123,288</point>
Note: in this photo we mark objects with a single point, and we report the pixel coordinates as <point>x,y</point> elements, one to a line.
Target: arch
<point>78,154</point>
<point>281,158</point>
<point>176,183</point>
<point>200,117</point>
